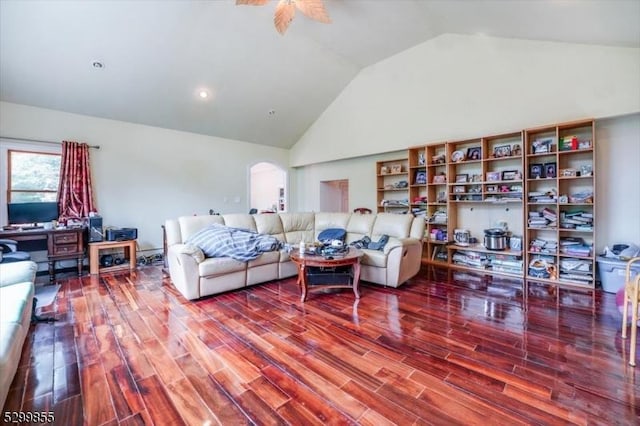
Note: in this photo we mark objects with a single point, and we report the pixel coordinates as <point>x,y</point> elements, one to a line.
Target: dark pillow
<point>331,234</point>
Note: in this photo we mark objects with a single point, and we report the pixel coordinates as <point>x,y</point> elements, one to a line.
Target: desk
<point>94,255</point>
<point>62,244</point>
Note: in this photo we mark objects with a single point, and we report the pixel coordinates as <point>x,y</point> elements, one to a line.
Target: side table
<point>94,255</point>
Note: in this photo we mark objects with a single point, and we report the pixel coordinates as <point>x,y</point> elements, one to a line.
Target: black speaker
<point>95,229</point>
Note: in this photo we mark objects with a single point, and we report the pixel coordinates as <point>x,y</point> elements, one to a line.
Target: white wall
<point>144,175</point>
<point>458,86</point>
<point>618,180</point>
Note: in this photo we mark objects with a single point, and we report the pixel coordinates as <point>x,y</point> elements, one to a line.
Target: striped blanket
<point>240,244</point>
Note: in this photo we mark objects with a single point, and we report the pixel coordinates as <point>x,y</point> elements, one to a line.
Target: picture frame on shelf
<point>511,175</point>
<point>459,189</point>
<point>441,178</point>
<point>493,176</point>
<point>516,150</point>
<point>421,177</point>
<point>384,170</point>
<point>442,197</point>
<point>502,151</point>
<point>542,145</point>
<point>438,159</point>
<point>536,171</point>
<point>568,172</point>
<point>396,168</point>
<point>474,153</point>
<point>462,178</point>
<point>476,178</point>
<point>550,170</point>
<point>586,170</point>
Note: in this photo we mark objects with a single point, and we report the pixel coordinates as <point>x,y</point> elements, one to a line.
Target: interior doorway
<point>268,189</point>
<point>334,196</point>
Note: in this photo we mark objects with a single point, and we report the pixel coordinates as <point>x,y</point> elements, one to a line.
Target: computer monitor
<point>23,213</point>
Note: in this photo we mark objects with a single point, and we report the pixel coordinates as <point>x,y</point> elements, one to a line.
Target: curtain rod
<point>41,141</point>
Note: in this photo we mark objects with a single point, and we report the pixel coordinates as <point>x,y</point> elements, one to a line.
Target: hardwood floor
<point>445,348</point>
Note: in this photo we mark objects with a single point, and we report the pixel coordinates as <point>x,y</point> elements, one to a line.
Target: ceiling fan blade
<point>313,9</point>
<point>252,2</point>
<point>285,11</point>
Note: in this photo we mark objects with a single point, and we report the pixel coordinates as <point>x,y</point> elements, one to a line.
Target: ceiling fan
<point>286,10</point>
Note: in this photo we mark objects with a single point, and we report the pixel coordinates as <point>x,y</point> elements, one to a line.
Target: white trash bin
<point>612,273</point>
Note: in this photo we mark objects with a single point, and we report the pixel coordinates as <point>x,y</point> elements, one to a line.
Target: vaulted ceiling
<point>263,87</point>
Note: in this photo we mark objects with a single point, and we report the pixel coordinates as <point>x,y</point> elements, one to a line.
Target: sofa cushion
<point>189,225</point>
<point>298,227</point>
<point>330,220</point>
<point>220,265</point>
<point>269,224</point>
<point>359,225</point>
<point>375,258</point>
<point>390,224</point>
<point>240,220</point>
<point>13,302</point>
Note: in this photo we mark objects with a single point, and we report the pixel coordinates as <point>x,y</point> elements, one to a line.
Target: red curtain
<point>75,196</point>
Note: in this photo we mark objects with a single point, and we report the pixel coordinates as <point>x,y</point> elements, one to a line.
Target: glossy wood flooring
<point>446,348</point>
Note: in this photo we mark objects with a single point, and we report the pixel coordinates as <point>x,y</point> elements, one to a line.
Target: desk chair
<point>9,252</point>
<point>631,296</point>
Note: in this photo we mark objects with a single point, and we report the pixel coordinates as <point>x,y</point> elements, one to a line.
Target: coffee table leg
<point>356,278</point>
<point>302,280</point>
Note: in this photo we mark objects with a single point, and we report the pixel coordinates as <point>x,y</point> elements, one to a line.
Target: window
<point>33,176</point>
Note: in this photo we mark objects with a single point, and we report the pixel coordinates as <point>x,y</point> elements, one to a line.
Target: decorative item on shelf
<point>462,178</point>
<point>474,153</point>
<point>462,237</point>
<point>438,159</point>
<point>516,150</point>
<point>515,242</point>
<point>441,178</point>
<point>586,170</point>
<point>442,197</point>
<point>492,188</point>
<point>401,184</point>
<point>421,177</point>
<point>493,176</point>
<point>584,144</point>
<point>536,171</point>
<point>502,151</point>
<point>457,156</point>
<point>384,170</point>
<point>459,189</point>
<point>421,160</point>
<point>396,168</point>
<point>543,145</point>
<point>476,178</point>
<point>550,170</point>
<point>511,175</point>
<point>568,172</point>
<point>570,143</point>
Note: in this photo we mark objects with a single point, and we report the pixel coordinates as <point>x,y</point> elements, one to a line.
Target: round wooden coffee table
<point>351,258</point>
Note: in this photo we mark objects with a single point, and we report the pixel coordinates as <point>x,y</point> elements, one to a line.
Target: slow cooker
<point>495,239</point>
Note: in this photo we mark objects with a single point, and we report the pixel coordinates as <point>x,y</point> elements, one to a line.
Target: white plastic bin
<point>612,273</point>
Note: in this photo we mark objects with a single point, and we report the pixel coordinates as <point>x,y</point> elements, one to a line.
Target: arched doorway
<point>268,188</point>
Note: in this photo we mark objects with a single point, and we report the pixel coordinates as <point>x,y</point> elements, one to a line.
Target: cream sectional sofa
<point>16,303</point>
<point>196,276</point>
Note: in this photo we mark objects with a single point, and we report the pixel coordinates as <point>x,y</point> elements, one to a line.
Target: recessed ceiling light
<point>97,64</point>
<point>203,94</point>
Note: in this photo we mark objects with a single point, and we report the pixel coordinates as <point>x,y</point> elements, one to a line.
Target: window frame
<point>10,190</point>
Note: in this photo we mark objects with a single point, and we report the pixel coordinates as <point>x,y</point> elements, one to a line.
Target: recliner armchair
<point>9,252</point>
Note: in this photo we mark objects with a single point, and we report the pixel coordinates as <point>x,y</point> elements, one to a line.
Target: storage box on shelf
<point>560,197</point>
<point>393,186</point>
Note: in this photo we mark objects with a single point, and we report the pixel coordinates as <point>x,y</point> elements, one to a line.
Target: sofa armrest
<point>183,261</point>
<point>17,272</point>
<point>404,259</point>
